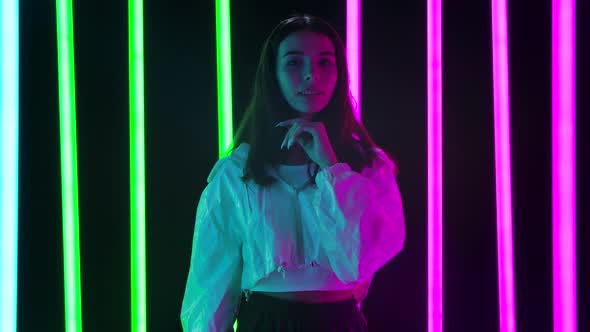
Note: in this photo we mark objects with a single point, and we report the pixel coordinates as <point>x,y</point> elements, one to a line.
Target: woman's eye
<point>325,62</point>
<point>293,62</point>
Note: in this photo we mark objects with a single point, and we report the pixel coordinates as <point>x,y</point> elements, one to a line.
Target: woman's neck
<point>296,156</point>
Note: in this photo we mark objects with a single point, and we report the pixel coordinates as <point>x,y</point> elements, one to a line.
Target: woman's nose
<point>310,72</point>
<point>309,76</point>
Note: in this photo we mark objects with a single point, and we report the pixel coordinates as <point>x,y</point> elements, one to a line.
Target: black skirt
<point>262,313</point>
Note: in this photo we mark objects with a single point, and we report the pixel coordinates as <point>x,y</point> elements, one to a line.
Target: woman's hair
<point>350,140</point>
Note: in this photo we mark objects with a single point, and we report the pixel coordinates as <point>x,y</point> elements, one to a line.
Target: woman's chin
<point>308,112</point>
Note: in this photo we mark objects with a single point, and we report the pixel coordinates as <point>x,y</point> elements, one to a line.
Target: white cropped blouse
<point>290,236</point>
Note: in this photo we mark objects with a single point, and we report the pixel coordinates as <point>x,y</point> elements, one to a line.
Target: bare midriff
<point>313,296</point>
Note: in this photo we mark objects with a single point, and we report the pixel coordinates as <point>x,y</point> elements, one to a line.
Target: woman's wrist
<point>329,163</point>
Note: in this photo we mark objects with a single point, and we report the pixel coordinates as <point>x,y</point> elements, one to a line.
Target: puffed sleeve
<point>213,289</point>
<point>360,217</point>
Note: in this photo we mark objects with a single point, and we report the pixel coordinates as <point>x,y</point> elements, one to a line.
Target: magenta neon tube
<point>435,180</point>
<point>503,167</point>
<point>563,166</point>
<point>353,50</point>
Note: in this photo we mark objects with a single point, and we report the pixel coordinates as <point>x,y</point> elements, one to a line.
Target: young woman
<point>295,222</point>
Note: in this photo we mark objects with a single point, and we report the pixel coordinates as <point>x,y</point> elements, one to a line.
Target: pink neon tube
<point>435,180</point>
<point>503,173</point>
<point>353,50</point>
<point>563,160</point>
<point>353,54</point>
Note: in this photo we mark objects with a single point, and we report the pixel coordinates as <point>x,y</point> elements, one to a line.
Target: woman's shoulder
<point>380,159</point>
<point>374,153</point>
<point>231,165</point>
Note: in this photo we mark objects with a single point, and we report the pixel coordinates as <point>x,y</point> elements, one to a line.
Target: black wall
<point>181,148</point>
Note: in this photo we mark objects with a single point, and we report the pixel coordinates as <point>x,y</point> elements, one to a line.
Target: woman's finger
<point>294,137</point>
<point>288,136</point>
<point>285,139</point>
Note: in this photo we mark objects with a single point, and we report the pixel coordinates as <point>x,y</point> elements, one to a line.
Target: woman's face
<point>306,71</point>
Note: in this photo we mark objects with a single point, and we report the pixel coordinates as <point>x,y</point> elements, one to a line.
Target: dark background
<point>181,148</point>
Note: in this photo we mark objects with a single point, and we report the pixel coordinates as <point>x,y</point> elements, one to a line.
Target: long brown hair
<point>350,140</point>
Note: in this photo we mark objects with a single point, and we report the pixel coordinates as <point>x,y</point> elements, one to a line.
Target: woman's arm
<point>360,218</point>
<point>213,288</point>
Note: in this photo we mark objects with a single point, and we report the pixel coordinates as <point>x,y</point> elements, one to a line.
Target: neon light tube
<point>224,78</point>
<point>9,49</point>
<point>435,179</point>
<point>224,81</point>
<point>69,166</point>
<point>503,168</point>
<point>353,50</point>
<point>563,164</point>
<point>353,55</point>
<point>137,167</point>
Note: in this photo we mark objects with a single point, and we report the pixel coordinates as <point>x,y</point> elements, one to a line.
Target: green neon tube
<point>69,166</point>
<point>9,49</point>
<point>137,168</point>
<point>224,91</point>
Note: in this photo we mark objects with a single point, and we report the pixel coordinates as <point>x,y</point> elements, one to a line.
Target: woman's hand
<point>361,290</point>
<point>313,139</point>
